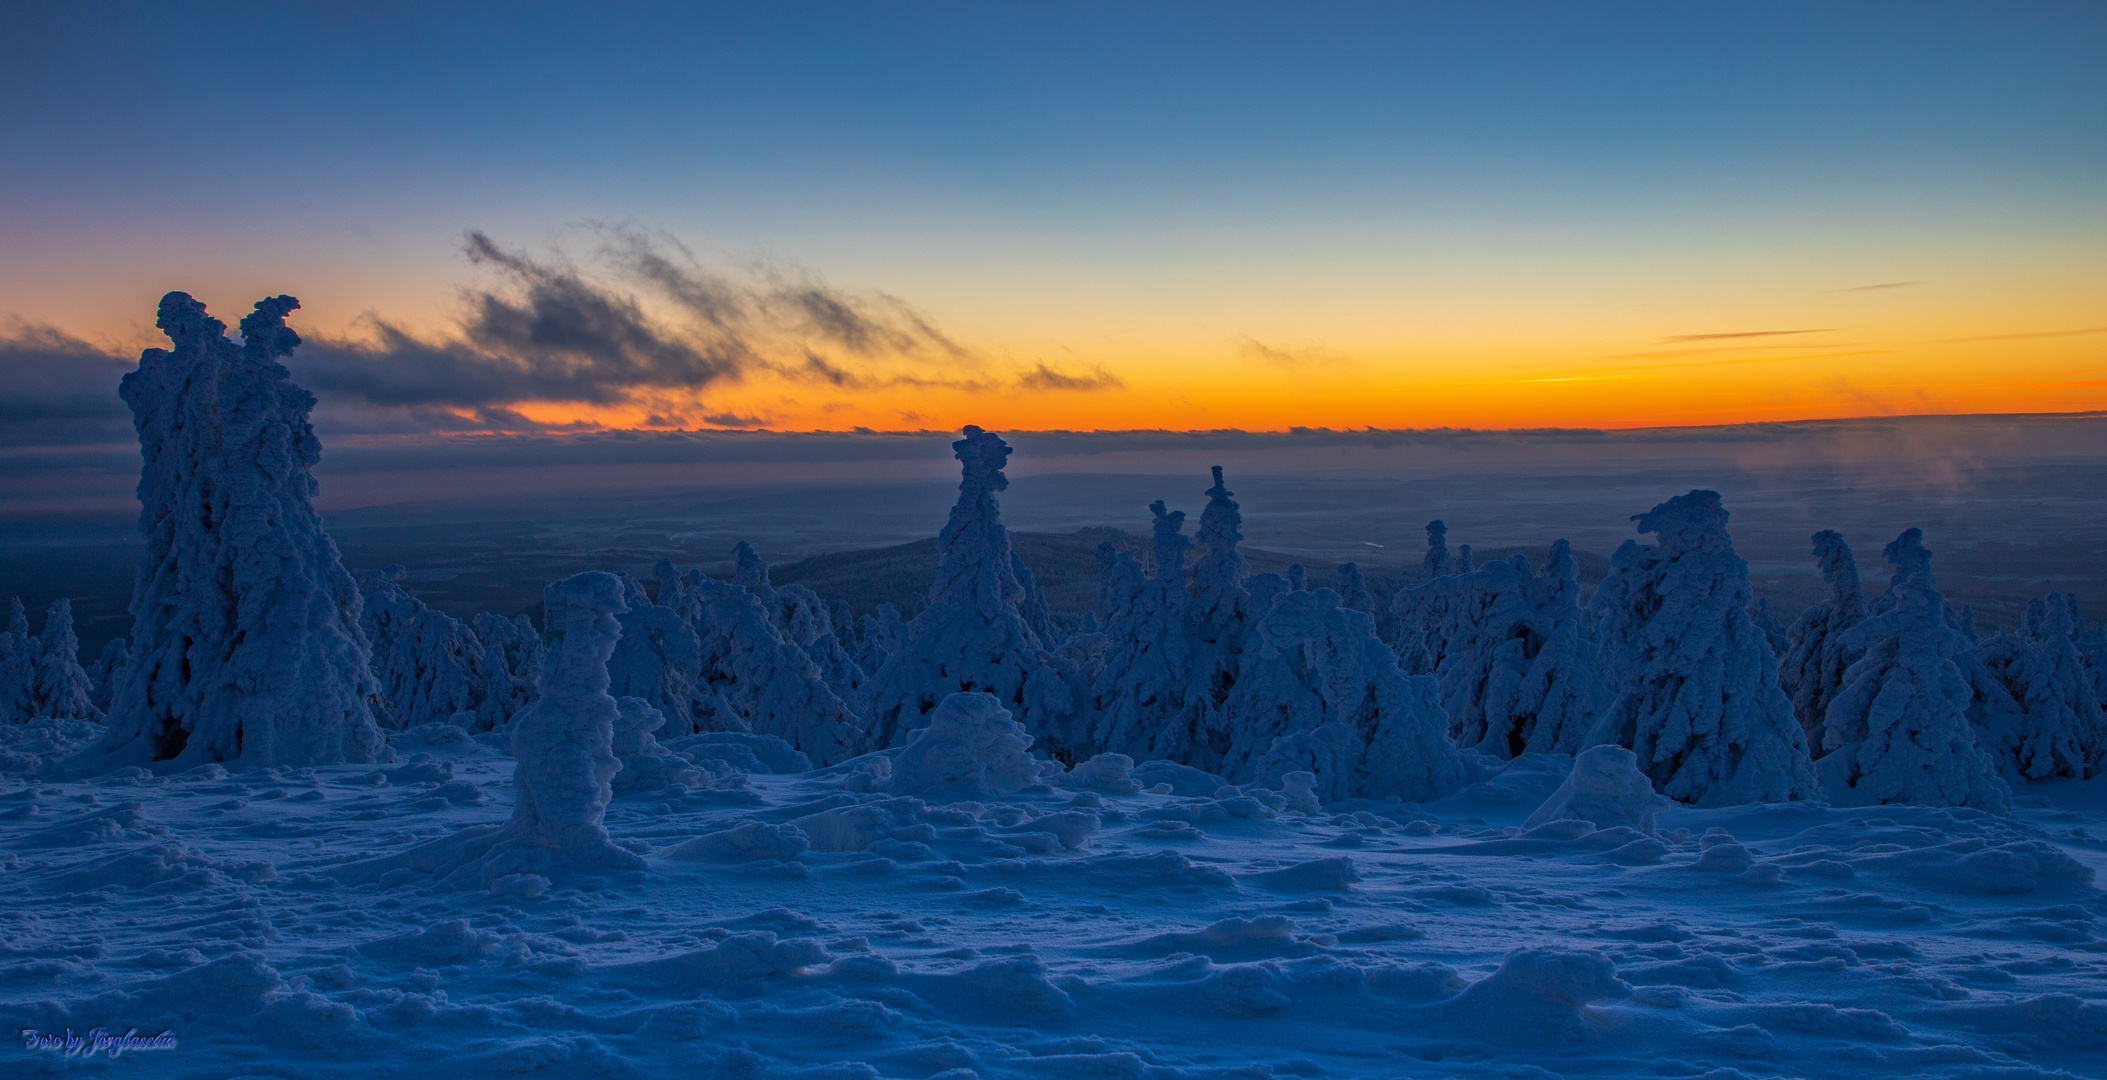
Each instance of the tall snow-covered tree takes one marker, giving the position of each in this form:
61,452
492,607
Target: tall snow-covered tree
1353,589
18,666
429,664
107,669
1898,730
1815,658
1140,696
1696,684
767,685
1908,556
1319,692
803,619
245,638
658,660
1436,561
973,637
60,687
2059,728
512,656
1519,675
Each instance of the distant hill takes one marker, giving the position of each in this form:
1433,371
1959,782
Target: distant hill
1067,569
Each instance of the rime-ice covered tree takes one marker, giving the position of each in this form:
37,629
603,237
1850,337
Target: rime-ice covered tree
658,660
1520,675
1463,559
1696,684
107,669
1908,556
1815,658
2058,728
1320,693
512,655
429,664
973,637
1773,632
879,636
767,685
41,675
1140,696
564,742
18,666
60,688
1353,589
245,638
1436,561
1898,730
802,618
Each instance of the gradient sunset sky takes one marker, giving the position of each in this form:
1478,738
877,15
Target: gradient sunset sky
829,215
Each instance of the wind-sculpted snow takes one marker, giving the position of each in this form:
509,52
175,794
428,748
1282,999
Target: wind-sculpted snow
1048,932
1696,683
245,639
973,637
1898,730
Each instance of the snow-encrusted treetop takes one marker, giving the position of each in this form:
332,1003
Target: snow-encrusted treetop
1812,669
1218,579
1436,560
973,636
1696,683
1143,689
1908,556
1898,731
245,636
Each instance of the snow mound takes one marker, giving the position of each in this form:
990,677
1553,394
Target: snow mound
1183,781
748,841
970,749
1335,874
1605,788
1109,774
1537,995
737,962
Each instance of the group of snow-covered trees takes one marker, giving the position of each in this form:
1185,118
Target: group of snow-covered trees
252,643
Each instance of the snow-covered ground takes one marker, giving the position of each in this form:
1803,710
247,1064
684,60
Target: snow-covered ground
277,922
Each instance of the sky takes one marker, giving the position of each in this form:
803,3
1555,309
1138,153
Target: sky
542,219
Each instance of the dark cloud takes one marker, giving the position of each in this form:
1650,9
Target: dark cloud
1882,285
734,420
1042,377
57,390
1741,334
1285,358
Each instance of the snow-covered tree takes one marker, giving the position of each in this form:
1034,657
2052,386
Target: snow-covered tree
245,638
429,664
878,637
1140,696
1520,675
565,740
767,685
18,666
61,688
1898,731
1773,632
1909,557
1696,684
1815,657
1436,561
2058,728
1353,589
803,619
973,637
1463,560
658,660
512,655
107,669
1320,693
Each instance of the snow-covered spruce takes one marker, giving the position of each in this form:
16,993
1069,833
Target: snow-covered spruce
1898,731
1353,589
245,638
1773,631
428,663
1908,556
646,766
512,655
973,636
107,669
1519,672
1812,670
659,660
803,619
1318,692
2059,728
1436,560
1140,696
1696,684
564,744
970,749
767,685
42,675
